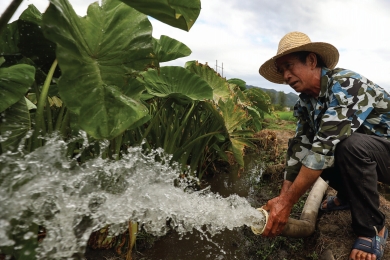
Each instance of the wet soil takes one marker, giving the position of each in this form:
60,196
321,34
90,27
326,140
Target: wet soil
332,239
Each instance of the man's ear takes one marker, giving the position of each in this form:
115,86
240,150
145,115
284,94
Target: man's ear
311,60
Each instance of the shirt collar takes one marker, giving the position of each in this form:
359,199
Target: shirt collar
324,81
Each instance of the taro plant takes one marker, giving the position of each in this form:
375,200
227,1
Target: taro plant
101,73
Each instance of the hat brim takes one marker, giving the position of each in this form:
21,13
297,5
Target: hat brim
328,53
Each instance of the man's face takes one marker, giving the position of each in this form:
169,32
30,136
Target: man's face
300,76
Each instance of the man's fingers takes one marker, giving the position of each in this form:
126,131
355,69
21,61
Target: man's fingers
268,228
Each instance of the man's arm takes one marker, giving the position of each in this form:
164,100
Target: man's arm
280,207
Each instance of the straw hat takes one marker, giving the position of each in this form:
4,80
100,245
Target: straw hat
293,42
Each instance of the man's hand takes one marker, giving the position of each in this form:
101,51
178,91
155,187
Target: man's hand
279,212
280,207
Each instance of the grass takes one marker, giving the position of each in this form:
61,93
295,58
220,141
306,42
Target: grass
280,120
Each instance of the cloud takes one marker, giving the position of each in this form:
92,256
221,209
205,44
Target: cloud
244,34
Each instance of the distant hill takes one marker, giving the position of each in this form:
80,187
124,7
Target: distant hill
291,98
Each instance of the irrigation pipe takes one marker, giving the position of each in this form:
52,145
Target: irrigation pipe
305,226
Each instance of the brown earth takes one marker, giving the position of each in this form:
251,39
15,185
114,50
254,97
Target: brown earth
333,237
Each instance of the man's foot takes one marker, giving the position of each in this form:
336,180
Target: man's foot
367,249
333,203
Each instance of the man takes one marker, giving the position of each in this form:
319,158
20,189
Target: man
342,135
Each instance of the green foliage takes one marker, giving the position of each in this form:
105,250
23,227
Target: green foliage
177,83
239,82
287,115
280,120
219,85
179,123
177,13
14,83
282,98
98,56
17,124
291,98
109,83
168,49
273,97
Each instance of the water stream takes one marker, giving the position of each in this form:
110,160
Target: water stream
70,200
228,244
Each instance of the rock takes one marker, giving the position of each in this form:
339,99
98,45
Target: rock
327,255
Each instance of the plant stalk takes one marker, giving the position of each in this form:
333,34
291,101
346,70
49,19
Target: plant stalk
60,116
39,116
133,227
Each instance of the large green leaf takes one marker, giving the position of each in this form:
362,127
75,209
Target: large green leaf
259,99
167,49
99,56
235,117
32,43
219,85
9,40
238,146
239,82
14,83
181,14
178,83
15,124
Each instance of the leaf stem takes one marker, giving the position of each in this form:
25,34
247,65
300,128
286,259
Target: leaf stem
8,13
39,116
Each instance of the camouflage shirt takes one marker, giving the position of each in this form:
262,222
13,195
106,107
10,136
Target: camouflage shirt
347,102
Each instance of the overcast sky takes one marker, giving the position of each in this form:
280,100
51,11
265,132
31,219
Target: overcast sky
242,34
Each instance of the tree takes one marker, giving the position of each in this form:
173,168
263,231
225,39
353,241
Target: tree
282,98
272,96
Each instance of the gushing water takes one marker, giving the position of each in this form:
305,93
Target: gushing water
70,200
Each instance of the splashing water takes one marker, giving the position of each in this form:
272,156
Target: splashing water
70,200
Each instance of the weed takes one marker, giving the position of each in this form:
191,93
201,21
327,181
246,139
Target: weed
313,256
281,120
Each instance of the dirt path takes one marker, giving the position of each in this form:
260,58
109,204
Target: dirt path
333,237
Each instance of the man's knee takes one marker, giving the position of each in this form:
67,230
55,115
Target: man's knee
350,148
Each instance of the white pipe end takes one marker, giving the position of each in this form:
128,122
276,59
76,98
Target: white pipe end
259,229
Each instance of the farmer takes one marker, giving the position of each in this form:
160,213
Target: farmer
342,135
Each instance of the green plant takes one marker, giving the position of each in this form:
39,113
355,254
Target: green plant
286,115
313,256
101,74
268,248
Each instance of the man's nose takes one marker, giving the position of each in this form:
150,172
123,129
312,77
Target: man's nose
286,75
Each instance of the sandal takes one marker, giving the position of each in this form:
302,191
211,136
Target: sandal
331,205
376,246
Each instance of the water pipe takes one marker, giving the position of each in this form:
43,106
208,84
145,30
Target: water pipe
305,226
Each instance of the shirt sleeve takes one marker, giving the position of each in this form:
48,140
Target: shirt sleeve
350,102
349,105
298,146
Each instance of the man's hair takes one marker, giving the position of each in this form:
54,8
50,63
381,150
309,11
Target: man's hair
302,55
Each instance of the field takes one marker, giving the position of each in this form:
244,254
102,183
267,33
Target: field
280,120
